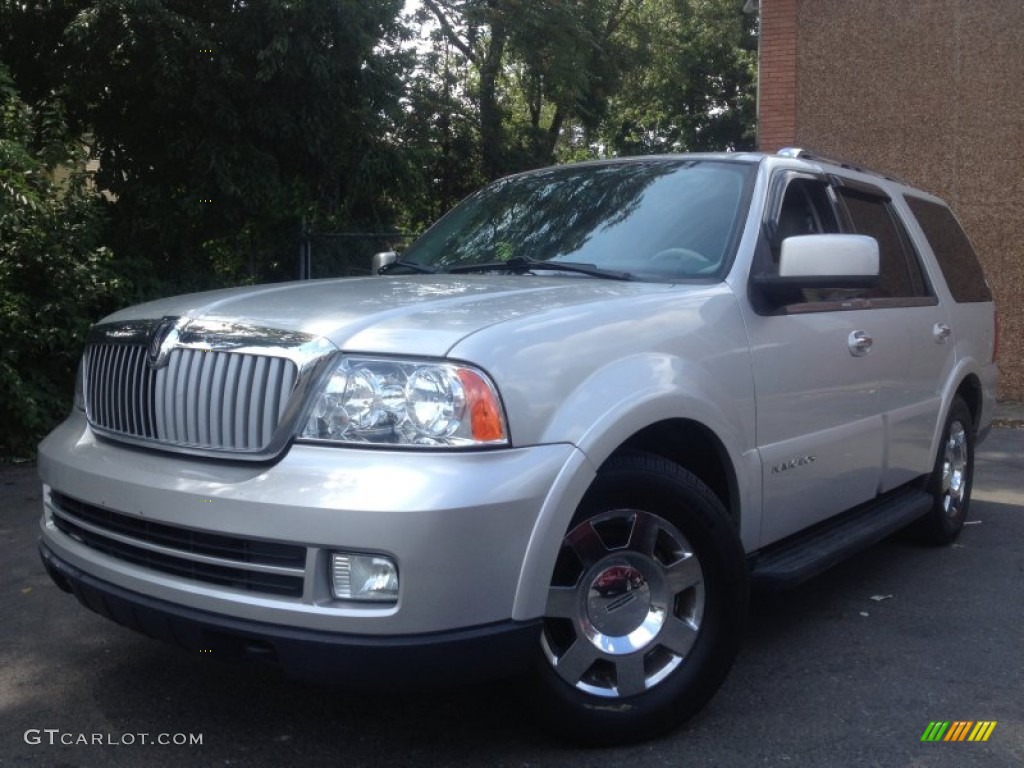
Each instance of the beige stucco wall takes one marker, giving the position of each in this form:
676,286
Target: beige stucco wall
931,91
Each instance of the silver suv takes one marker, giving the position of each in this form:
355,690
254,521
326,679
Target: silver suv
559,437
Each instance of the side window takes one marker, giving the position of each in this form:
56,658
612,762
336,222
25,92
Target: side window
805,210
900,274
952,250
805,207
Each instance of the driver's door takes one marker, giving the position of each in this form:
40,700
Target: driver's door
818,364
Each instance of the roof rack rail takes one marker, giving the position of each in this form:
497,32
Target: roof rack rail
803,154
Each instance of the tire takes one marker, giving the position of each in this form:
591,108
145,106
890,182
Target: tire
646,609
951,479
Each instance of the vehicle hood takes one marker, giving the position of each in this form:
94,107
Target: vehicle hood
423,315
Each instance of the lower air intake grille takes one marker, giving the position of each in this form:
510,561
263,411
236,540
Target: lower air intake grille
249,565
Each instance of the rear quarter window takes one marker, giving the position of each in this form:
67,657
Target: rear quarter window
952,250
899,272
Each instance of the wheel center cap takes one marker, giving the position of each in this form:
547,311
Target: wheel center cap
619,600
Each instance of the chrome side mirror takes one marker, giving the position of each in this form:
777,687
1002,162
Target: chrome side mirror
381,260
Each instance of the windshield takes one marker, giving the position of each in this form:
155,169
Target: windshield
654,219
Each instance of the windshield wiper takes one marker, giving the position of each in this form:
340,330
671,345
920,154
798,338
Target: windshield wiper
409,265
523,264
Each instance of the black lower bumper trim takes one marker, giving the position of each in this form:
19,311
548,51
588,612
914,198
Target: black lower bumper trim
408,661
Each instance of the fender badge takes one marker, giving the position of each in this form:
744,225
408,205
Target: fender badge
785,466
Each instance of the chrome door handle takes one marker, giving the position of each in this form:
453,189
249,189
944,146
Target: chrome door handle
860,343
941,332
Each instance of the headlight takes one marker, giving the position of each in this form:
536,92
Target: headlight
407,403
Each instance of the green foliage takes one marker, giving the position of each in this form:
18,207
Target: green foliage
574,79
55,276
533,67
437,136
692,87
219,125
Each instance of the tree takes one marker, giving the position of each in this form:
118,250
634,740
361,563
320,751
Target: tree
219,125
436,135
55,276
569,79
552,59
692,86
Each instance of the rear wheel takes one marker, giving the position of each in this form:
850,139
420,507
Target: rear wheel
951,479
646,607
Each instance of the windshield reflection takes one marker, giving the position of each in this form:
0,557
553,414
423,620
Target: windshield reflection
665,218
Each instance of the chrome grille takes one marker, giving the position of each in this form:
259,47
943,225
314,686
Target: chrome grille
250,565
206,399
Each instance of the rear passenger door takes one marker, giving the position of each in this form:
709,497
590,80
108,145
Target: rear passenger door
905,308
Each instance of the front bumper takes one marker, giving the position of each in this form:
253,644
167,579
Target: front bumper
467,655
460,526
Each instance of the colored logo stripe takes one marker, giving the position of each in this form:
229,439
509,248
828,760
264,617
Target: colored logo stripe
934,731
982,730
958,730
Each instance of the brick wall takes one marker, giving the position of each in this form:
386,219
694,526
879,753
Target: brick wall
777,73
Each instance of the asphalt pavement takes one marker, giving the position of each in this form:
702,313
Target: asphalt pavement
848,670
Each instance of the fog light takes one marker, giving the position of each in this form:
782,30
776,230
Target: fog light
371,578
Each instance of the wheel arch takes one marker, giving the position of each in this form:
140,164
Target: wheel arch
694,447
687,442
966,384
970,390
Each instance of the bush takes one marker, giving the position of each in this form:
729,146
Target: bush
55,277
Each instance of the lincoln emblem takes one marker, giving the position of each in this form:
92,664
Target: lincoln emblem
163,339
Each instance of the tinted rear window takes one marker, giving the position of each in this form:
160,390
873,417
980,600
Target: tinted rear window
952,250
899,273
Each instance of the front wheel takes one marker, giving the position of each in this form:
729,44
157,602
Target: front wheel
646,606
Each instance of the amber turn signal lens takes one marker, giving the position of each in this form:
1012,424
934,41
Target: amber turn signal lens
482,401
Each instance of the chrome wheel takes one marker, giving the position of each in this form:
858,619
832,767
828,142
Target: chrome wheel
954,470
645,607
950,482
625,606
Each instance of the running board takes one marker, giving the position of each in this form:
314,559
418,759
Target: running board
806,554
